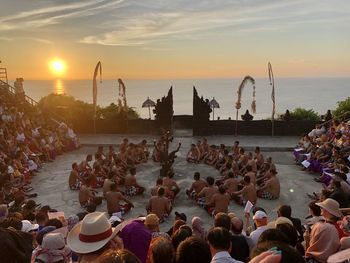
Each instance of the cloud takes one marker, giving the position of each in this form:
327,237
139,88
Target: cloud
163,23
46,16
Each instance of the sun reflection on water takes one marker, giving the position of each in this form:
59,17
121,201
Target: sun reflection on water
59,87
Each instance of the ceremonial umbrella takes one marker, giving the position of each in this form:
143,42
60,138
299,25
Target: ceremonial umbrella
148,104
214,104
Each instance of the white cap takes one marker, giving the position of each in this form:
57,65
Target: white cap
259,215
27,226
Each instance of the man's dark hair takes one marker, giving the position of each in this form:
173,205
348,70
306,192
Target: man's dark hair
161,191
230,175
219,238
193,250
210,180
315,208
273,235
113,187
285,210
11,222
197,176
222,220
222,189
180,235
290,232
54,222
162,250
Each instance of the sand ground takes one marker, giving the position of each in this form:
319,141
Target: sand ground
51,184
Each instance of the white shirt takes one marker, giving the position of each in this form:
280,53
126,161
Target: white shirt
223,257
256,233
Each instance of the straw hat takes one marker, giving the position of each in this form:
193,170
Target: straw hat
54,248
331,206
91,234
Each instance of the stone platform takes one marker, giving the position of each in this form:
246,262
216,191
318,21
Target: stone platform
51,184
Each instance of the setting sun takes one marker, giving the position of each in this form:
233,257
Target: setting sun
57,67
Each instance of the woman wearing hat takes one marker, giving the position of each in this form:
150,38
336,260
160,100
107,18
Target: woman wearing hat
323,240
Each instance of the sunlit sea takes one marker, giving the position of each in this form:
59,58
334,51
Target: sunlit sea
319,94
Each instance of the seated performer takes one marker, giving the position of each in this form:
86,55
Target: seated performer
113,199
196,186
132,188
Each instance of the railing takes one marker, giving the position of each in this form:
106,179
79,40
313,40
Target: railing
340,117
30,100
3,74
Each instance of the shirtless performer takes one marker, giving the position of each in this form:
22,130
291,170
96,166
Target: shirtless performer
87,196
169,182
113,199
75,180
219,202
196,186
251,174
231,183
193,155
159,183
159,205
247,193
132,188
85,167
204,196
212,156
270,189
107,183
259,157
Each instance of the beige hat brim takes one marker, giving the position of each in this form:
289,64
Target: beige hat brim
333,212
80,247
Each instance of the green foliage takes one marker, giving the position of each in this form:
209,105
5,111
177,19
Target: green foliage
343,106
304,114
71,109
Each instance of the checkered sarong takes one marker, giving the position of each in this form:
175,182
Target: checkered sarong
132,191
76,186
265,195
201,201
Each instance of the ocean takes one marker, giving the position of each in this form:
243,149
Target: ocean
319,94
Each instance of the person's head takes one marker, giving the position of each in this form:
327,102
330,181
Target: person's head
91,235
161,191
11,222
330,209
180,216
257,149
16,246
133,170
289,254
290,232
285,210
152,222
89,158
74,166
118,256
248,168
177,224
222,189
246,179
273,234
230,175
161,250
260,218
54,249
236,225
113,187
314,209
219,239
222,220
180,235
210,180
196,176
193,250
54,222
41,218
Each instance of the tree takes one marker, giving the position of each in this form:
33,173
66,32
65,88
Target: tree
342,108
304,114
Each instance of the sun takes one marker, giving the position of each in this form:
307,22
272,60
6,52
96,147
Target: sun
57,66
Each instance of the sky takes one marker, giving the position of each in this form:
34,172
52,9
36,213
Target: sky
154,39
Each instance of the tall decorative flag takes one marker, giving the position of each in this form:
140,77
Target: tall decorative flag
94,89
122,105
272,84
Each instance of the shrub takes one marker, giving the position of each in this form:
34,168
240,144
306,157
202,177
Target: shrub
342,108
304,114
71,109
